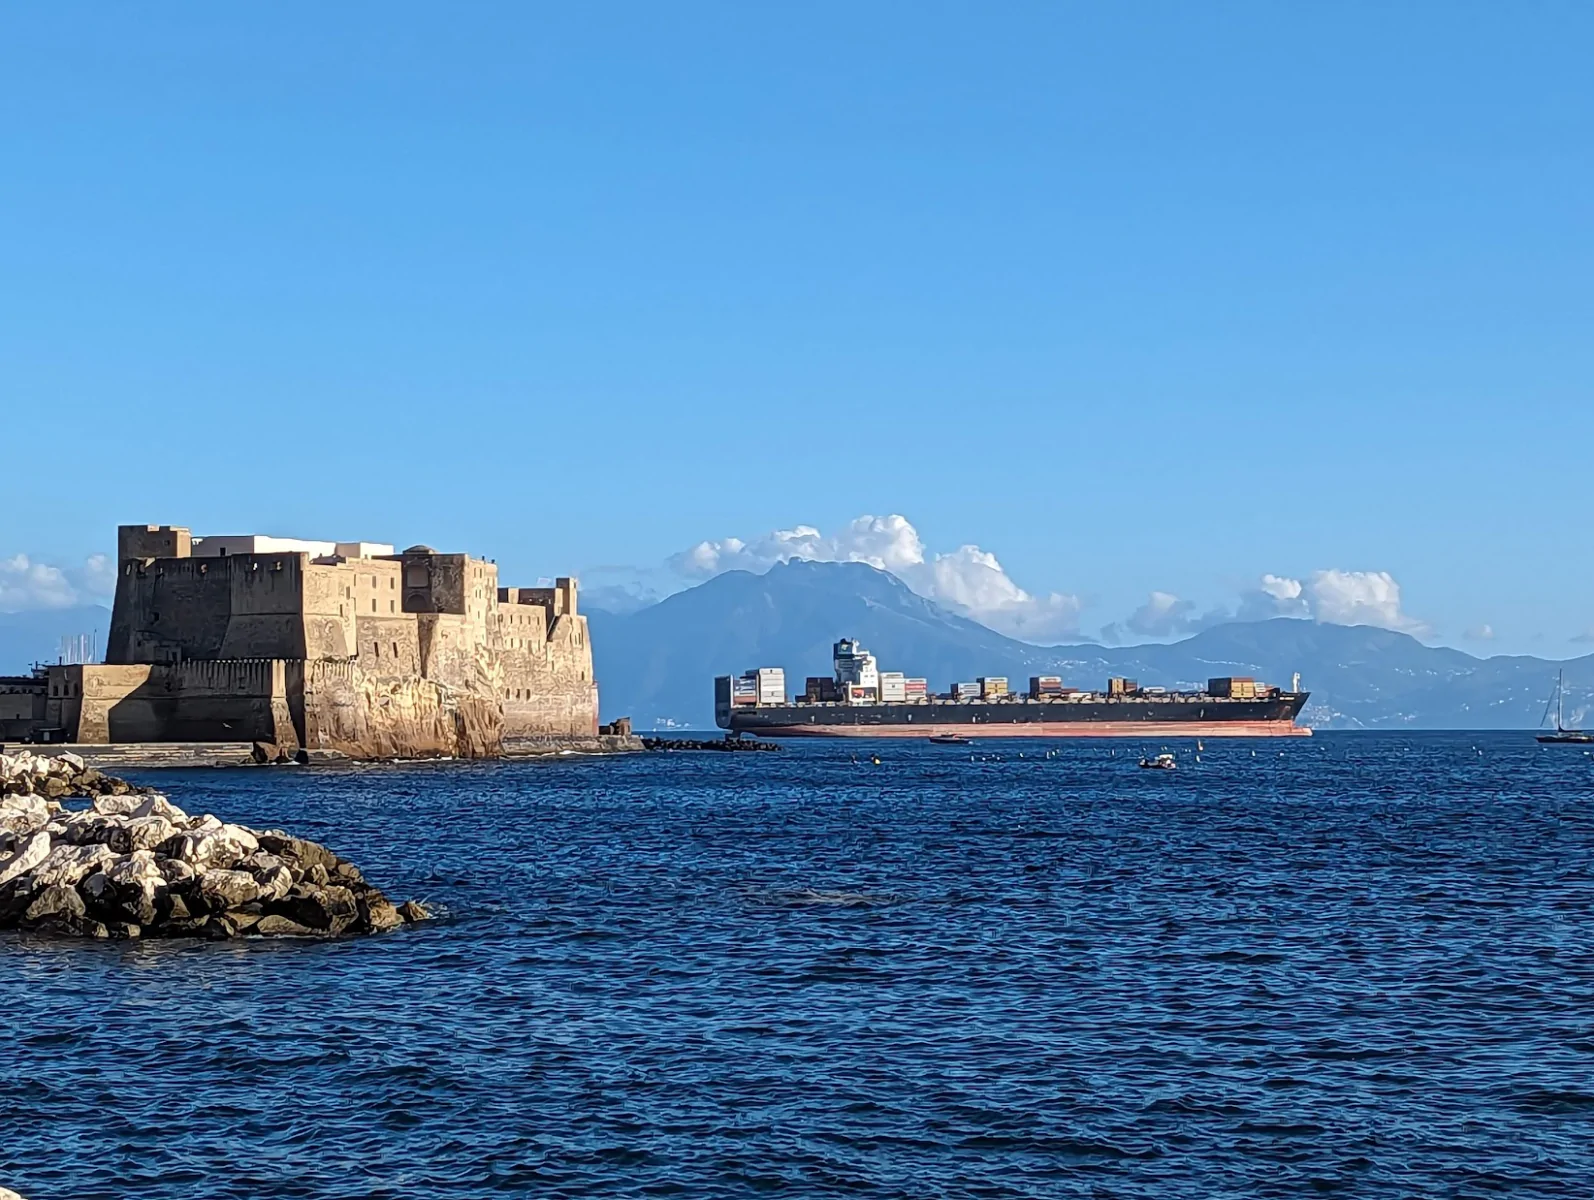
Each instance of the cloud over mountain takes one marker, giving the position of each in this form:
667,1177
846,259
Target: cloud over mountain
1331,597
27,585
968,580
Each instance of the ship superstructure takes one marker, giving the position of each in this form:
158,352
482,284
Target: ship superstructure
860,700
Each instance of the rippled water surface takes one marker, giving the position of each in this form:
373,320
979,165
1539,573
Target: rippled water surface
1360,963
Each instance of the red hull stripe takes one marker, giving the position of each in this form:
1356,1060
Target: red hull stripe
1145,730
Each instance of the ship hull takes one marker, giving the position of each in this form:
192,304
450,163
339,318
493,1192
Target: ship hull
1197,717
1045,729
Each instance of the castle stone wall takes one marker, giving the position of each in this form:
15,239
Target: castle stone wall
328,608
221,701
417,653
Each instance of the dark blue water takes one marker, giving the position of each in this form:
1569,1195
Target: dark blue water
1361,964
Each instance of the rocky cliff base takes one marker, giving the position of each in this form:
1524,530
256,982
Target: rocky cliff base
132,864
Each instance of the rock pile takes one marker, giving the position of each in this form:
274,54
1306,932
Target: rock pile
132,864
726,743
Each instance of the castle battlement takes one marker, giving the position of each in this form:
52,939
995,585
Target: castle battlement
202,613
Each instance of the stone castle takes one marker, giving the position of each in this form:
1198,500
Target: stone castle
343,646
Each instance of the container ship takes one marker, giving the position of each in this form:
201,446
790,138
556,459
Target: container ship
860,700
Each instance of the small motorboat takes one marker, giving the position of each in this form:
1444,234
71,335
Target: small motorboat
1163,762
949,739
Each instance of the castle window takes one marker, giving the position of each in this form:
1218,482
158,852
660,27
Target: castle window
395,649
373,603
376,649
390,607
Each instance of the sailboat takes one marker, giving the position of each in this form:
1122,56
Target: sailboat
1562,733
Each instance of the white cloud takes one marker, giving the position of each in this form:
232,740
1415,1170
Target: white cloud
1163,615
98,576
1480,633
1274,596
1360,598
972,581
26,585
1329,597
889,543
968,580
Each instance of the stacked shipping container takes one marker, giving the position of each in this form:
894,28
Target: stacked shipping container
771,685
1236,687
821,689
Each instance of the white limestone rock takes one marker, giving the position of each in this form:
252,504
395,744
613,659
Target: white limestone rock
275,883
205,848
136,865
29,805
69,864
56,900
225,889
242,836
117,806
175,871
23,814
89,827
140,833
140,867
28,855
158,806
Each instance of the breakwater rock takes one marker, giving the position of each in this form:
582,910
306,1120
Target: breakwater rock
726,743
132,864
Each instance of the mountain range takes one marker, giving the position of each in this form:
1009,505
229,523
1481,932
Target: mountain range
657,664
35,637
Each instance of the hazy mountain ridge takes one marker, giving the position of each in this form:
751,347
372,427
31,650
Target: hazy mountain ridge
658,664
35,636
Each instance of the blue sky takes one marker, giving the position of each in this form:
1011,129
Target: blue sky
1136,298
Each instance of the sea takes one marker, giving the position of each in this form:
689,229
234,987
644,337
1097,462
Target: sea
1357,964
